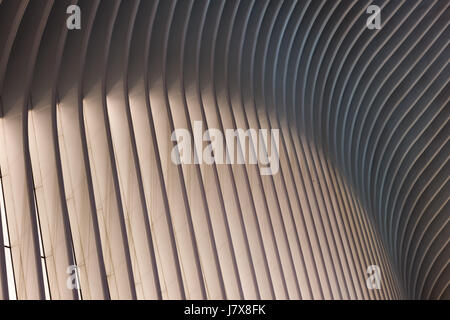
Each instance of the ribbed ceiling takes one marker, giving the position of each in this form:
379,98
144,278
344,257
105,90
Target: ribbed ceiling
85,149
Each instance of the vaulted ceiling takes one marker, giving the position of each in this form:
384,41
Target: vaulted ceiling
85,149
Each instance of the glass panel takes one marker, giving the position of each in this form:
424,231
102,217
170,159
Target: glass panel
3,217
10,275
41,252
8,255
